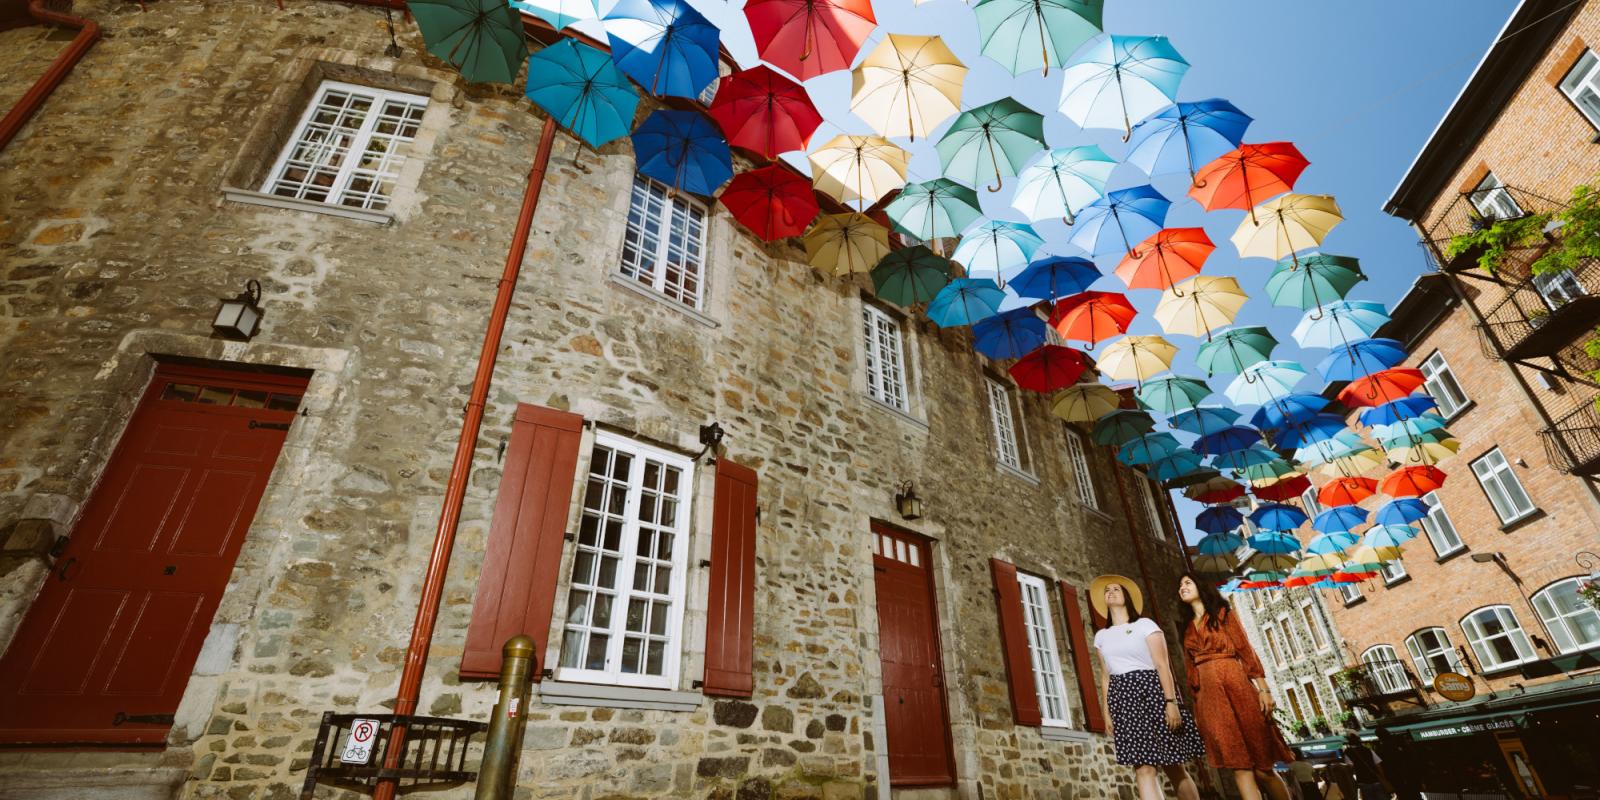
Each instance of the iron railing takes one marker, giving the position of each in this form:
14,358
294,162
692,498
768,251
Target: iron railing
1478,209
1573,441
1373,684
438,753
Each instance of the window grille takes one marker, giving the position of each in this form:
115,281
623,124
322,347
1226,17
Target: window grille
349,147
664,246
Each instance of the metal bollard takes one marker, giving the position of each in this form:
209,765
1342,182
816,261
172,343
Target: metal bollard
497,773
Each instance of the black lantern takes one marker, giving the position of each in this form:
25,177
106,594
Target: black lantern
240,317
907,502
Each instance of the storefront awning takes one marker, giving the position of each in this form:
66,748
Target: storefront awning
1328,745
1464,725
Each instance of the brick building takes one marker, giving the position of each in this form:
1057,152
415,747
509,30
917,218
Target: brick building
267,505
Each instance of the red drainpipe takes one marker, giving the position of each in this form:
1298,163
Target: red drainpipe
88,34
455,491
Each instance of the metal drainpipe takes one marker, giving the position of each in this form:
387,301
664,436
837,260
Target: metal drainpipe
432,591
1133,535
25,108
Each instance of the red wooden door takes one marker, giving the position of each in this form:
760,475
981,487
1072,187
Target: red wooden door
916,715
105,651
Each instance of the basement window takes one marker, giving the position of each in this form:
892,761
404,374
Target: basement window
348,148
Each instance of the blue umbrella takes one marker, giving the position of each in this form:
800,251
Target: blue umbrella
1010,334
559,13
1202,420
1388,536
583,91
1051,277
1277,517
1148,449
1114,80
1299,434
1248,457
664,45
1219,519
1340,518
965,301
1228,440
1222,543
684,150
1274,543
1119,220
1178,465
1403,511
1396,410
1340,323
996,249
1325,544
1415,426
1185,136
1338,445
1287,410
1355,360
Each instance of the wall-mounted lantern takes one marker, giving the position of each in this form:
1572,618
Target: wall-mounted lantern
907,502
240,317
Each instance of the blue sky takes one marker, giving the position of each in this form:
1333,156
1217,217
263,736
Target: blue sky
1358,86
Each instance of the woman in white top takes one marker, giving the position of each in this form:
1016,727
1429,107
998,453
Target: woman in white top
1149,723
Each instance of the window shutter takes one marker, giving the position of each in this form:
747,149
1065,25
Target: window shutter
1014,640
521,564
730,613
1072,617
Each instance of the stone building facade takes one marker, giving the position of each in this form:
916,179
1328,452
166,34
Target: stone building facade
144,191
1300,649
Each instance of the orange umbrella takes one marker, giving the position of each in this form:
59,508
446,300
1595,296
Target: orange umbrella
1246,176
1166,257
1092,317
1411,481
1381,387
1346,491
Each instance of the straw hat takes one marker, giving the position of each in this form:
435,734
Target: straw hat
1130,590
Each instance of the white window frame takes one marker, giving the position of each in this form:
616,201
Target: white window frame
1392,571
1441,384
1559,288
1286,624
1512,632
1055,709
623,589
1269,633
1492,200
1560,622
1441,532
1581,85
339,191
1082,477
1319,634
1309,502
1152,507
1003,425
884,338
1349,592
1386,668
1422,656
1493,469
680,224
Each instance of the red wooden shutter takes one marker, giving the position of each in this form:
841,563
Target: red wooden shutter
1014,640
1072,617
730,612
521,564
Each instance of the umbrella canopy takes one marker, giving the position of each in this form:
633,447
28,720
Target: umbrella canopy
1009,334
480,38
1388,537
1202,420
1216,489
683,150
1051,277
1230,351
1085,402
1286,225
913,275
1048,368
997,249
1403,511
1148,449
1427,452
583,91
1246,176
1346,491
1166,257
1340,323
807,38
1363,461
1287,410
1300,434
1172,394
1275,544
1218,565
1117,79
1381,387
1218,544
664,45
1324,450
1332,544
1355,360
1363,563
764,112
1091,316
859,169
1261,382
1309,282
1025,35
1182,464
993,140
774,202
907,85
965,301
1114,222
1412,481
1412,426
1121,426
1340,518
1218,519
1277,517
1284,489
934,209
1182,136
1256,462
1057,183
843,243
1396,410
1136,358
1200,305
1232,439
559,13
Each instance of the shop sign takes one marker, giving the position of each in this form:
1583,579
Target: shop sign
1454,686
1464,729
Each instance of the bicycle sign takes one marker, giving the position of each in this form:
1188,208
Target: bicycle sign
358,746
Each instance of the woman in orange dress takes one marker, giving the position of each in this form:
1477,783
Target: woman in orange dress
1234,716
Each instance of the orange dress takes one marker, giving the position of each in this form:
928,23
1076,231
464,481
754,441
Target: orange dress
1221,663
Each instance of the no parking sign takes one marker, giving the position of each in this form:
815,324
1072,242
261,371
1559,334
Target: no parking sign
358,746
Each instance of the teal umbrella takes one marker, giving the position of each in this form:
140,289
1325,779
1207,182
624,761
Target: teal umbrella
910,275
1172,394
1230,351
583,90
996,138
934,209
1310,281
1148,449
481,38
1025,35
1121,426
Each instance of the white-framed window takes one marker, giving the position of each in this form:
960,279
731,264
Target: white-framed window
1083,479
1440,530
1432,653
1491,198
1349,592
1319,635
1273,645
1392,570
1558,288
886,359
1500,483
625,600
1291,636
1571,620
1003,424
1582,86
348,147
1152,506
665,244
1497,638
1046,659
1383,664
1441,383
1309,502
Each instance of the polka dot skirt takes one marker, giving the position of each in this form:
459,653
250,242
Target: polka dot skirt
1139,725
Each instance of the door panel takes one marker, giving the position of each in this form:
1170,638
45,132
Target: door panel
916,715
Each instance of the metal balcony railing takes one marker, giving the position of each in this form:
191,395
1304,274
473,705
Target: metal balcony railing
1478,209
1573,442
1541,314
1374,684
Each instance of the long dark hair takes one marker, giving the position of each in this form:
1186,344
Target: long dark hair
1127,603
1217,607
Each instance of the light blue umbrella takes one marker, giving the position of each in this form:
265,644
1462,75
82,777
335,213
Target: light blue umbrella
1256,455
559,13
1355,360
1327,544
1415,426
934,209
1261,382
1058,183
684,150
1274,543
1117,79
1320,452
1025,35
1202,420
1382,536
1402,511
1050,277
1341,323
965,301
1185,136
1119,220
1178,465
1340,519
664,45
583,91
1172,394
1148,449
996,249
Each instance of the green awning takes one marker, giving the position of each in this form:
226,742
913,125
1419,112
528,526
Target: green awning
1327,744
1464,725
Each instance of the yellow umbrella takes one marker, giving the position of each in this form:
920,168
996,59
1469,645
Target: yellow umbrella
1320,563
1285,225
1200,305
1357,464
844,243
1136,357
1364,556
863,168
1261,483
1220,563
907,85
1426,453
1085,402
1271,562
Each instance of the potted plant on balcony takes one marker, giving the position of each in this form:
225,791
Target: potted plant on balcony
1347,719
1320,726
1537,317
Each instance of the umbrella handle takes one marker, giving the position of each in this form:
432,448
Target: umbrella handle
996,187
1317,315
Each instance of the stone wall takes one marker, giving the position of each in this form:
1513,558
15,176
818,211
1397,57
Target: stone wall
116,241
1309,656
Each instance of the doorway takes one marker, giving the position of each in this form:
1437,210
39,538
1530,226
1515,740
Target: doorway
1527,781
916,713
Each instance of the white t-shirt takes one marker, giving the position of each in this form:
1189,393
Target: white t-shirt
1123,647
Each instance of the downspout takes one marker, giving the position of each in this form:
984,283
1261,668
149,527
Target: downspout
28,105
1133,536
444,537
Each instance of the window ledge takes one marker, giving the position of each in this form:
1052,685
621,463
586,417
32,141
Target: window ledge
1017,473
1537,513
1459,551
1388,584
1095,512
901,414
1055,733
1465,407
559,693
1359,599
248,197
644,291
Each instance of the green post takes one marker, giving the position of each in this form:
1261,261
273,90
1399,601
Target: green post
497,773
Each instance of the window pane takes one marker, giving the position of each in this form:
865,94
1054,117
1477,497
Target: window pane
1579,84
1441,531
1572,621
884,357
1046,662
1083,478
349,147
1000,418
663,246
1441,383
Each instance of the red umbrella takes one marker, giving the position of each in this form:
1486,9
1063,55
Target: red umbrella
1352,577
764,112
1092,316
1246,176
1381,387
1286,489
807,38
1048,368
1166,257
774,201
1411,481
1346,491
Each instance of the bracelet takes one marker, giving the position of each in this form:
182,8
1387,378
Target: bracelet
1173,700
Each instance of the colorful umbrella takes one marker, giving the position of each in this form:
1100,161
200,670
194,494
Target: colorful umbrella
1355,360
1214,490
1117,79
845,243
1283,490
907,85
1411,426
1381,387
1346,491
1055,276
1092,317
807,38
1085,402
1261,382
1396,410
1275,544
1306,283
965,301
1230,351
1166,257
1339,323
1048,368
1009,334
663,45
1182,136
1340,518
1388,537
1427,453
1058,181
1136,358
764,112
1363,461
1403,511
1121,426
913,275
1219,519
1412,481
1332,544
1363,563
1172,394
997,249
1218,564
559,13
583,91
1299,434
774,202
1286,225
1232,439
1219,544
994,139
1120,218
1256,462
1202,420
1181,465
858,168
1148,449
1323,451
934,209
1200,305
480,38
1025,35
1246,176
683,150
1277,517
